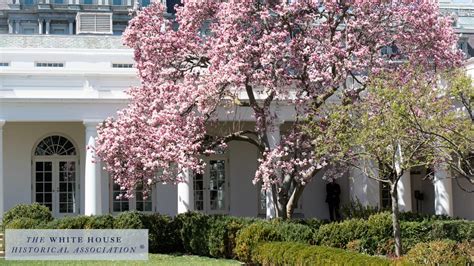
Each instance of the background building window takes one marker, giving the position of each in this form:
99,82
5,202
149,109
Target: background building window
142,204
117,2
40,64
138,203
145,3
122,65
119,204
385,198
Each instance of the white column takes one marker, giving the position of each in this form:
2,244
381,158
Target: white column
443,191
274,139
10,26
47,25
40,26
2,195
71,26
92,186
186,193
17,27
362,188
404,192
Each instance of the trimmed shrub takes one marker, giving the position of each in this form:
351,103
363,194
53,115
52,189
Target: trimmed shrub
293,232
458,230
250,236
222,234
313,223
356,210
70,222
289,253
419,217
275,230
194,229
33,211
440,252
339,234
379,234
24,223
100,222
163,233
128,220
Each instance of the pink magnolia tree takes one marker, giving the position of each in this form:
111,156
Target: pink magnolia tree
256,55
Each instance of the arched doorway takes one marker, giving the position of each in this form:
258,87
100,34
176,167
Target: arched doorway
55,175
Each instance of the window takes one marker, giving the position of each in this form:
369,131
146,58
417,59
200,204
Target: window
97,23
118,32
58,31
143,204
170,5
122,65
28,2
4,64
211,187
59,1
54,182
29,31
39,64
87,2
145,3
117,2
385,198
119,204
138,203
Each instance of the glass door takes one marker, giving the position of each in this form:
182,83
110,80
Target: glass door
55,185
66,188
43,183
211,188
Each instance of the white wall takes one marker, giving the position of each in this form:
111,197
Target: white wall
19,141
426,187
463,202
363,189
166,199
243,164
314,196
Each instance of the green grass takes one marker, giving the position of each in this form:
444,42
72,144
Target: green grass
153,259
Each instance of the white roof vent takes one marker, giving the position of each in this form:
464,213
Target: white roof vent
94,23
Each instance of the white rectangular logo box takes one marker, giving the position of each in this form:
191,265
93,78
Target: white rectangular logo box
76,244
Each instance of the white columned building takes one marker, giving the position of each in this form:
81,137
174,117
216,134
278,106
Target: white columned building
92,187
2,123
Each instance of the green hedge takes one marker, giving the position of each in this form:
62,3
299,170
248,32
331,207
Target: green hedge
374,235
441,252
35,211
223,236
291,253
275,230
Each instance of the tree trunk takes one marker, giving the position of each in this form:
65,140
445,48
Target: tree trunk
293,201
395,220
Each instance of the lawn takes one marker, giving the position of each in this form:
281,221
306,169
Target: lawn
153,259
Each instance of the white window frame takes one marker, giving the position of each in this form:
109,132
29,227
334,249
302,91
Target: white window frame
132,203
206,180
78,23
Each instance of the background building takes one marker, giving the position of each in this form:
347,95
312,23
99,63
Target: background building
63,70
